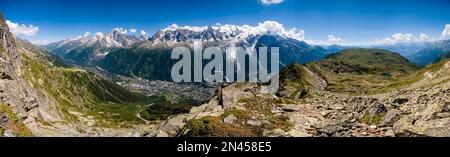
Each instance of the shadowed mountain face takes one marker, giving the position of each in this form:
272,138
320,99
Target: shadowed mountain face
444,56
152,64
432,54
291,50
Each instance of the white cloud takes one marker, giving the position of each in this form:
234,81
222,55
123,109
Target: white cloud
143,33
270,2
404,38
99,34
192,28
446,32
266,27
86,34
40,42
22,29
333,39
121,30
275,28
133,30
424,37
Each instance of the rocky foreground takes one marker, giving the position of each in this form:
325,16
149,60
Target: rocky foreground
421,109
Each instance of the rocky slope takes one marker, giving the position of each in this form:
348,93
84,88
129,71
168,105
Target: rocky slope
75,102
362,70
416,105
42,95
17,97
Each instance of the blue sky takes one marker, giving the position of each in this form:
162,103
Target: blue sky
351,21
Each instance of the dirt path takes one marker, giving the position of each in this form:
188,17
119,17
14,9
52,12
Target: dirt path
138,114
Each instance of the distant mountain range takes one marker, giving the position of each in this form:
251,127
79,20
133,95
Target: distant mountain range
86,48
149,57
432,54
133,56
420,53
405,49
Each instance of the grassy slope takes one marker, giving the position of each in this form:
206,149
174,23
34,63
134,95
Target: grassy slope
295,75
15,124
418,76
362,71
78,90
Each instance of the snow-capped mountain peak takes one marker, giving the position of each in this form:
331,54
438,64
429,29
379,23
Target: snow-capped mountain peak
118,37
175,33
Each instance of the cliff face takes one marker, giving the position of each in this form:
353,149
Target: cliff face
15,92
9,59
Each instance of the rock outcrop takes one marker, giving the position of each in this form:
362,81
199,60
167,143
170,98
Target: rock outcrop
15,92
175,126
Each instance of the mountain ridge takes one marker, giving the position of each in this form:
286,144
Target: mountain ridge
432,54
